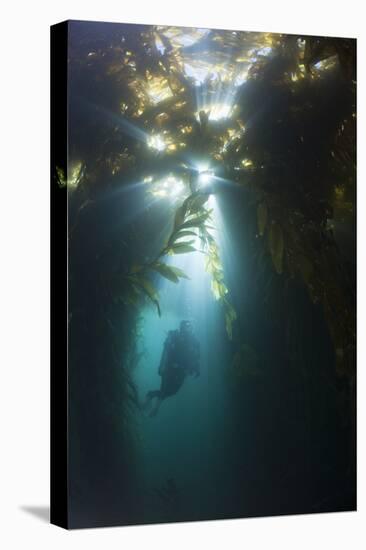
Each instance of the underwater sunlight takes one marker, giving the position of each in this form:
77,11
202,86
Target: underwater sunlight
212,273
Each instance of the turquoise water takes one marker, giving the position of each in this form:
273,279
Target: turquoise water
185,442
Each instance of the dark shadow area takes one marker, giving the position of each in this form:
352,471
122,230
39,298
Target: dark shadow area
40,512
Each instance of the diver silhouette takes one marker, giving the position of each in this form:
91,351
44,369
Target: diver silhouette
180,357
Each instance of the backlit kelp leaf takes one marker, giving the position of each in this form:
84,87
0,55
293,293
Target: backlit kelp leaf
218,288
276,246
61,178
166,271
179,272
157,305
213,262
180,215
198,201
147,288
206,240
262,218
146,285
208,266
215,289
179,244
181,248
230,317
182,234
197,221
74,175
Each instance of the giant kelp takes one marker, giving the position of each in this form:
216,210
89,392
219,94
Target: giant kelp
150,77
272,114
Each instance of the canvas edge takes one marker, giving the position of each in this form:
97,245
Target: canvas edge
59,289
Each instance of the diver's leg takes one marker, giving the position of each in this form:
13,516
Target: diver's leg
168,388
171,384
160,394
155,409
149,398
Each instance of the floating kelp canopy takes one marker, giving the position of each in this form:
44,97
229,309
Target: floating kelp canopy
273,113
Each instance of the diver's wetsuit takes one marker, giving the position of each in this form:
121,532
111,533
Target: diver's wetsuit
180,357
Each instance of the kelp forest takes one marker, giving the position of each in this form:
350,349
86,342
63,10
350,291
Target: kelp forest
211,184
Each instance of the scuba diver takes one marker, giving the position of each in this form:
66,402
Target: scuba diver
180,357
